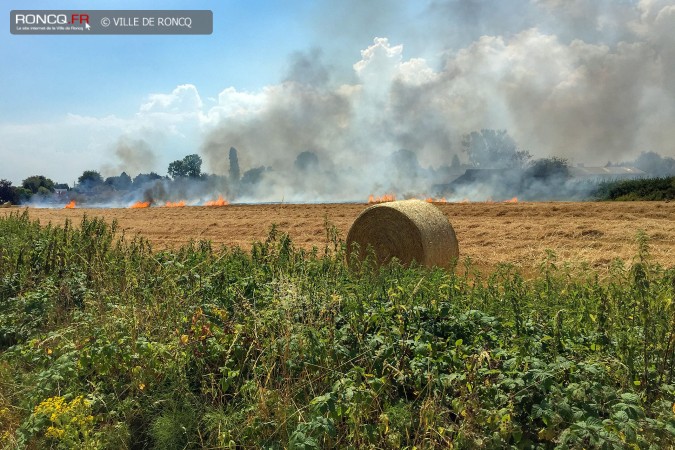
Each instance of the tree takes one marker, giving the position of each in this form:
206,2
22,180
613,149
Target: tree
188,167
89,179
120,183
43,191
8,192
493,149
35,182
23,194
654,164
235,173
306,161
143,178
253,176
455,162
549,168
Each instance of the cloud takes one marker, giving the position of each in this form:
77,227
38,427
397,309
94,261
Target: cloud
184,99
165,127
590,80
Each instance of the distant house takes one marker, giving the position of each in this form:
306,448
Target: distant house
58,191
605,173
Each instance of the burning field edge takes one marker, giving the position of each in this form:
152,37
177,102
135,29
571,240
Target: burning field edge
490,234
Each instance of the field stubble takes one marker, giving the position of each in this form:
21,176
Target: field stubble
489,233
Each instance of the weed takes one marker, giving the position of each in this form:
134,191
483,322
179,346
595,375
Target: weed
107,343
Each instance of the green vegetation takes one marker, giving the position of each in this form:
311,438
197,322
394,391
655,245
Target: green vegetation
105,343
188,167
640,189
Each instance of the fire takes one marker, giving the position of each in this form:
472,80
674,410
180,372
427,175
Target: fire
70,205
175,204
220,202
436,200
385,198
513,200
140,205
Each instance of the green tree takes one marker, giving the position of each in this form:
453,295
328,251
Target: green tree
23,194
35,182
493,149
188,167
235,173
121,182
89,179
655,164
8,192
43,191
143,178
548,168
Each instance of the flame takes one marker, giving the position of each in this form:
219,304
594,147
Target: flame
435,200
140,205
175,204
70,205
513,200
220,202
385,198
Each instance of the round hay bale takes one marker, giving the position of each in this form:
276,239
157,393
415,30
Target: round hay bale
409,230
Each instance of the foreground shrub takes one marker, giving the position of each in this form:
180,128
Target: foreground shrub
107,344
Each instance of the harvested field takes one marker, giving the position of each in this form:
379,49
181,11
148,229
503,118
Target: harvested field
488,233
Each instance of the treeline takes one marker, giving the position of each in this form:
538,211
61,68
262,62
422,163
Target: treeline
185,179
647,189
489,164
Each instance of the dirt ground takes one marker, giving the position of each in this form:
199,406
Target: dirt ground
488,233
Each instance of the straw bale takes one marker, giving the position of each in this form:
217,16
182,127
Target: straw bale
409,230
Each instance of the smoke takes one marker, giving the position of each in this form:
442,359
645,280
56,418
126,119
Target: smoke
585,80
133,156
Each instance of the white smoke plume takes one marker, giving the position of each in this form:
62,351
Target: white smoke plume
586,80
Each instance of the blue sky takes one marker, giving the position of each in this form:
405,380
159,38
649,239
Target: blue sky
347,78
47,79
50,75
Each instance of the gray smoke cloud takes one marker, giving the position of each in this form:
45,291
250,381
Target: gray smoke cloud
586,80
133,156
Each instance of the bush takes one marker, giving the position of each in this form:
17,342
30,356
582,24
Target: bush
634,190
279,348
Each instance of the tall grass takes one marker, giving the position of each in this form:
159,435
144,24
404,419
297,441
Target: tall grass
105,343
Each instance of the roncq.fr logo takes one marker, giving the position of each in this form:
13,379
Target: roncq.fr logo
51,19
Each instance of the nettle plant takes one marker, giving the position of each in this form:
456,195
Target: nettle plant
106,343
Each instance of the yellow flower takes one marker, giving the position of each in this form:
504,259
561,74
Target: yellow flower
141,386
184,339
54,432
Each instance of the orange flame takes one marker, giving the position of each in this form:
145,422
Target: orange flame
175,204
385,198
220,202
70,205
435,200
140,205
513,200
